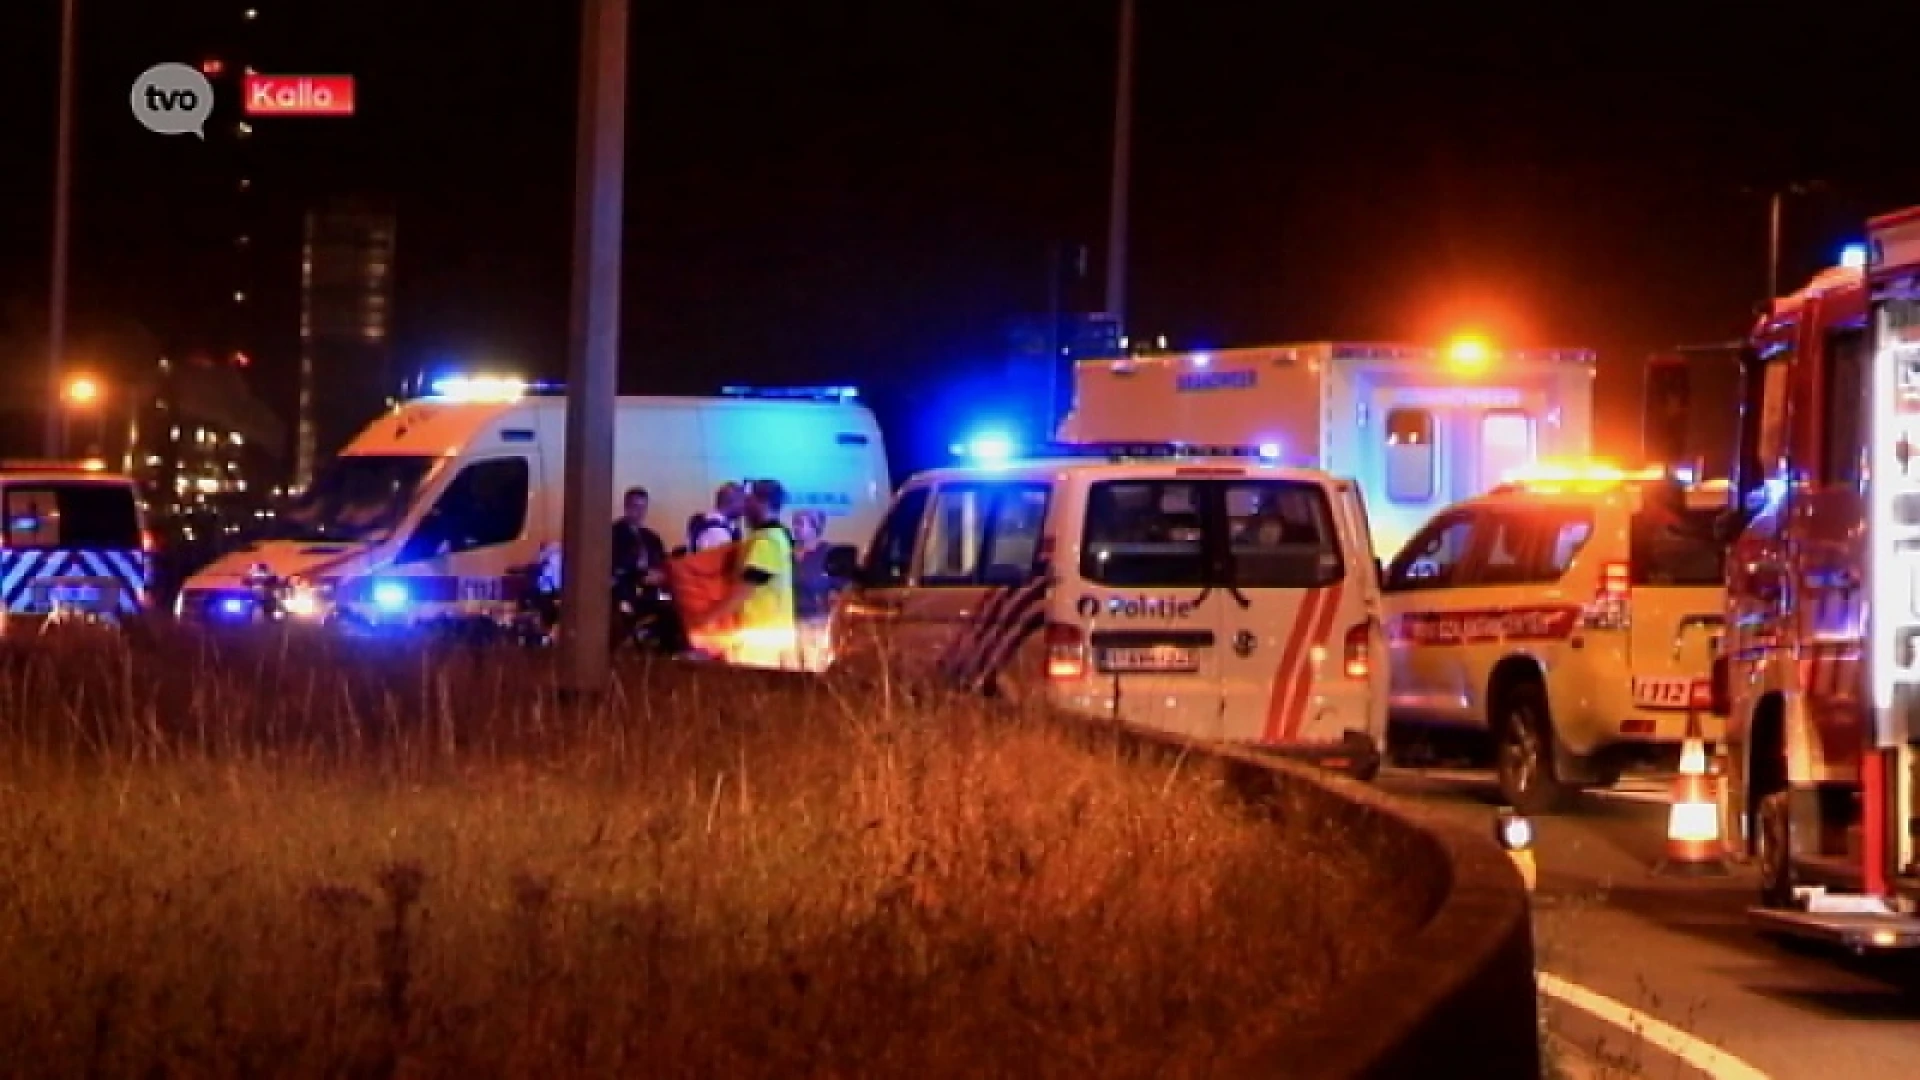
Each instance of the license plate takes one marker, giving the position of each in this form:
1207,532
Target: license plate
1149,658
74,596
1661,693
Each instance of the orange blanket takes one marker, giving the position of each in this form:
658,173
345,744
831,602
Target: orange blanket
699,582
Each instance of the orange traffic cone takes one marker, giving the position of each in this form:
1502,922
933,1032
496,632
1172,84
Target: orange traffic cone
1694,845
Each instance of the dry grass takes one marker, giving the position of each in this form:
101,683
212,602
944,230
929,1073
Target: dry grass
311,859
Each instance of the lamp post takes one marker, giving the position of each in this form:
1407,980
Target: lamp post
62,185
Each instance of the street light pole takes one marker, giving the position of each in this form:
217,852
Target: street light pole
62,185
586,599
1773,244
1122,156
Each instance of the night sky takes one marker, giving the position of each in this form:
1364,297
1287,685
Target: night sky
859,191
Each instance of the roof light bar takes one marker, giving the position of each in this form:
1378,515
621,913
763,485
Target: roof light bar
793,393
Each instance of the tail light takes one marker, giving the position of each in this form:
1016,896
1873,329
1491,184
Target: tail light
1066,652
1358,651
1610,606
1701,696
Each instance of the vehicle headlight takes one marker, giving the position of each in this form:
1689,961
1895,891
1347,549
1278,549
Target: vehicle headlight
302,598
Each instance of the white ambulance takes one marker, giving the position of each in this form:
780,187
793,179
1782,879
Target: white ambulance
424,516
1199,591
1419,428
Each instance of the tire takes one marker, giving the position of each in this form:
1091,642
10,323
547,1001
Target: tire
1523,761
1773,841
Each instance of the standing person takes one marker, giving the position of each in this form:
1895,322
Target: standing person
640,576
760,602
813,587
719,526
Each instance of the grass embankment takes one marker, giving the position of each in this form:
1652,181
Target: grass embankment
309,859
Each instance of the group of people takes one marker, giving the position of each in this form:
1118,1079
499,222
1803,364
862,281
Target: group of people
773,581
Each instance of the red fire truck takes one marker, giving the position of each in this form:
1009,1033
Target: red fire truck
1818,672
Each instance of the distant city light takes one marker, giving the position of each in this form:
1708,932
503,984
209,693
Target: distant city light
82,390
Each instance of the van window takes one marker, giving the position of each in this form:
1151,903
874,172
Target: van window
1844,407
1570,535
1143,533
1433,558
956,536
1409,456
889,561
1283,535
75,516
1506,444
484,505
1013,536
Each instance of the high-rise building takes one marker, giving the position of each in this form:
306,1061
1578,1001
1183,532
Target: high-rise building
346,292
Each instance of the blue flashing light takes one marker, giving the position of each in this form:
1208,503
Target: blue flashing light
390,596
1270,451
986,448
794,393
1684,474
233,605
1853,256
1201,360
479,388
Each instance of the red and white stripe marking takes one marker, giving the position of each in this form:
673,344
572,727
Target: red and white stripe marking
1292,680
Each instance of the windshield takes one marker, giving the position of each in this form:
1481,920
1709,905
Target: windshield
358,497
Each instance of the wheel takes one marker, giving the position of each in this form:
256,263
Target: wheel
1775,856
1524,754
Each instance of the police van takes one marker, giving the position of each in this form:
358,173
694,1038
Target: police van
1566,620
1200,591
76,545
431,512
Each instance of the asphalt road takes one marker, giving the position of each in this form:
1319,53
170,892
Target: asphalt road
1683,952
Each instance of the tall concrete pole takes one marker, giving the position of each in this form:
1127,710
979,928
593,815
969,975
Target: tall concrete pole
586,541
1122,158
62,197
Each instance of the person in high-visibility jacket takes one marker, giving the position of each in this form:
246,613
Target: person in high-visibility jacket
759,605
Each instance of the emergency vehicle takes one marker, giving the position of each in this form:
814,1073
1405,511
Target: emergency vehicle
428,513
1566,619
1419,428
76,544
1819,674
1195,590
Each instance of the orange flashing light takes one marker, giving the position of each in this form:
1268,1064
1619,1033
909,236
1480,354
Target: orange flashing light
1469,354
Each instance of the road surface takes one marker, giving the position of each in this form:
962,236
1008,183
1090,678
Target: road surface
1681,951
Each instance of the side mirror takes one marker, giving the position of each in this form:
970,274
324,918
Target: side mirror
843,562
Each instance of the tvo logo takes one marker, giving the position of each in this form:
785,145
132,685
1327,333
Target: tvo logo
1134,607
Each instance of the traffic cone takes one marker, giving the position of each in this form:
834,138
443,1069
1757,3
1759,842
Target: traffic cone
1694,844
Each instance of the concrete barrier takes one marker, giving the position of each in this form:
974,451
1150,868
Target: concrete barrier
1458,997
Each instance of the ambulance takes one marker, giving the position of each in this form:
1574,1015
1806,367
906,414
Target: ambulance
1205,592
1418,428
427,514
73,543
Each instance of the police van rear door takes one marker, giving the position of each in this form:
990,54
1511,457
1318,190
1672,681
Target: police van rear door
1296,589
1141,608
71,543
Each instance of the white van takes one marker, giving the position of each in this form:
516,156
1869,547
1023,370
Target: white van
424,516
1192,590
